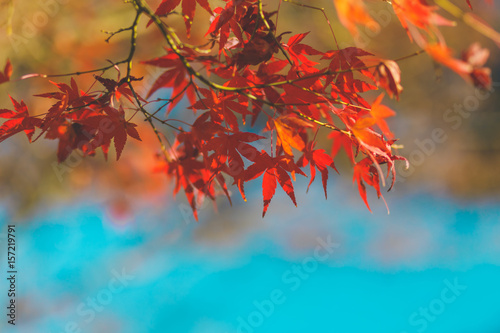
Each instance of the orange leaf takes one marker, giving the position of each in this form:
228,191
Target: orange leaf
442,54
288,137
353,12
379,112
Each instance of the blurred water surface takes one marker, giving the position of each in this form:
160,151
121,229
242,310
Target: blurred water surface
431,265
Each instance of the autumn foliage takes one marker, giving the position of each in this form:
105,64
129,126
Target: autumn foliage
248,82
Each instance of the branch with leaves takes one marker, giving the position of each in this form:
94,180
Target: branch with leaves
245,80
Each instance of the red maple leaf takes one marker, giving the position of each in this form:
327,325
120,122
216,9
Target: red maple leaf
299,52
317,159
117,89
7,72
188,9
342,140
20,121
366,172
176,77
111,126
344,84
229,148
275,171
226,19
70,94
71,104
193,177
71,136
222,107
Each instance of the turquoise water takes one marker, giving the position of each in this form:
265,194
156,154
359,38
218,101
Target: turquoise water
430,266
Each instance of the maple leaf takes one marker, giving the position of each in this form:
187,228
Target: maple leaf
365,172
342,140
7,72
317,159
226,21
203,130
176,77
70,94
345,84
368,171
469,67
229,148
299,52
347,58
221,107
196,176
71,135
191,175
188,10
370,141
117,88
255,38
185,173
304,93
268,71
110,126
353,12
374,145
388,76
443,54
288,135
477,56
420,14
275,171
71,104
19,121
417,14
379,112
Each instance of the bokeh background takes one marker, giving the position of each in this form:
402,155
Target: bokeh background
105,248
